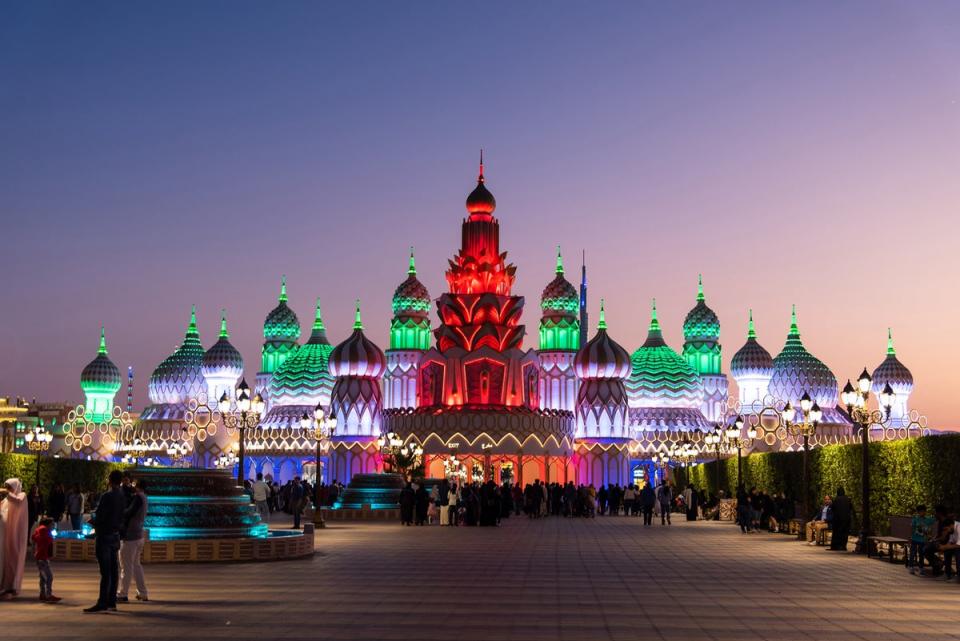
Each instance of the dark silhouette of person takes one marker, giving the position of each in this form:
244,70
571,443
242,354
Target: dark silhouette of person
842,516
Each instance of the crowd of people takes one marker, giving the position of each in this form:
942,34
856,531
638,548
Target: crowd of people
932,536
485,504
292,498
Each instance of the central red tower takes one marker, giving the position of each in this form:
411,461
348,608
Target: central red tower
478,359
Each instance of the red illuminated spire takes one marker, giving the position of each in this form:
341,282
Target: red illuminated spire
480,202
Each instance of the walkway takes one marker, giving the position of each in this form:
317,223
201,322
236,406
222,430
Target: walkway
607,578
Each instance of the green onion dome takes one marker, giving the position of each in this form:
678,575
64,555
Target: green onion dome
751,359
357,356
660,377
180,376
411,298
602,357
101,375
701,323
892,372
796,371
559,297
304,378
282,323
223,360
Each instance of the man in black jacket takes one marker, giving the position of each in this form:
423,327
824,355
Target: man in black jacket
106,522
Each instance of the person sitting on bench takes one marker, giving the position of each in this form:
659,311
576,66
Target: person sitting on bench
820,522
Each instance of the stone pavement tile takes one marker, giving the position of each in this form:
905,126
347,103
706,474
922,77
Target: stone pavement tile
606,578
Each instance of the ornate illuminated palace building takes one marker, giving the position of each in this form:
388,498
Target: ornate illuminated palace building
573,409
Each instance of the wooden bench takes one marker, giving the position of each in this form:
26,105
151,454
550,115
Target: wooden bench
898,541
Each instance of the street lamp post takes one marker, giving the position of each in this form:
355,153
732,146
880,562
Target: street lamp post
324,427
856,401
810,415
246,414
38,440
716,439
735,439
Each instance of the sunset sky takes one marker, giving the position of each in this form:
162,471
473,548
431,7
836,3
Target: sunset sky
155,155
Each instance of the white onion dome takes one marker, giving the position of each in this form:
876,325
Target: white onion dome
304,378
892,372
701,323
660,377
281,323
411,298
357,356
101,375
796,371
602,357
223,359
751,359
180,376
560,297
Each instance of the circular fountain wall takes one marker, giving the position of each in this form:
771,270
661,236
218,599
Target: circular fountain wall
198,515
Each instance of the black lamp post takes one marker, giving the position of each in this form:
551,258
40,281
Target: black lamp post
810,415
856,401
244,413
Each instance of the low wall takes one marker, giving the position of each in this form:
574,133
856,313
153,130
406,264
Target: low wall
274,548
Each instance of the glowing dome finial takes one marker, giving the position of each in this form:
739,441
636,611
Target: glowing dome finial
603,317
357,322
192,329
700,295
412,269
223,324
480,176
890,350
103,341
794,330
283,289
751,331
654,323
559,261
317,320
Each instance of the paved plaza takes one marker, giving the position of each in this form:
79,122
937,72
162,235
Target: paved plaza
607,578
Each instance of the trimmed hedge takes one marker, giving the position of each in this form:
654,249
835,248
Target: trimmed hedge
902,474
89,475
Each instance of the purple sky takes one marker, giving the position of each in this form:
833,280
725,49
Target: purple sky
154,155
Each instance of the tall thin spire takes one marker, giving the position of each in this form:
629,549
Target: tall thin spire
700,296
603,317
559,261
654,322
318,321
357,323
751,331
890,350
480,178
584,324
130,388
283,289
412,268
103,341
223,324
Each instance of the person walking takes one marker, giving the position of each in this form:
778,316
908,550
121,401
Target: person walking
665,499
14,529
296,501
261,494
107,521
407,500
42,553
131,547
648,497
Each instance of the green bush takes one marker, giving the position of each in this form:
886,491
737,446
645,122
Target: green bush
902,474
89,475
